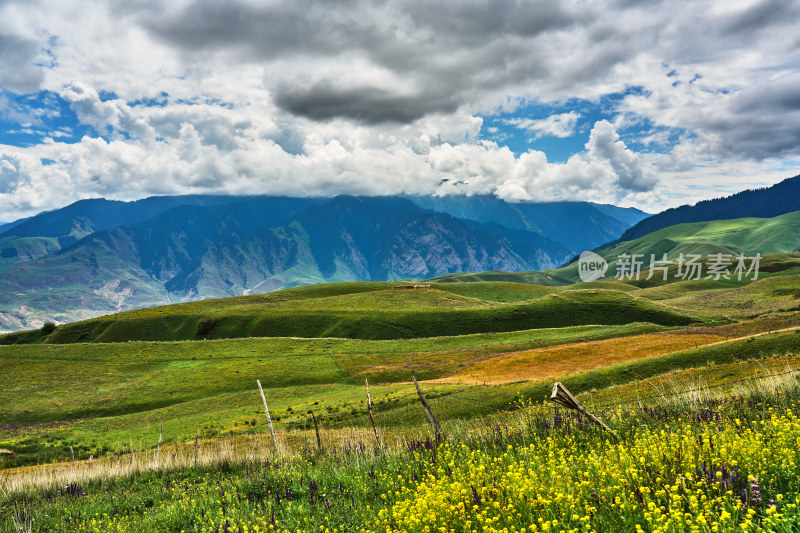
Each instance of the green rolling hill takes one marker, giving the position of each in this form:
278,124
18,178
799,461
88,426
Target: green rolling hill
366,310
781,198
748,236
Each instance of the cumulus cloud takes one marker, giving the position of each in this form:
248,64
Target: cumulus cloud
112,116
204,148
632,173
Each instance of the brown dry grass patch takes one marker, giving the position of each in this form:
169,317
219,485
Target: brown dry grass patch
558,361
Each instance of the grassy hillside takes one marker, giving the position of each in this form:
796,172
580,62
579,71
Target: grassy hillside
367,311
768,295
738,236
112,391
668,471
781,198
748,236
91,396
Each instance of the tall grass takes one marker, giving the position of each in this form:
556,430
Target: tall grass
522,460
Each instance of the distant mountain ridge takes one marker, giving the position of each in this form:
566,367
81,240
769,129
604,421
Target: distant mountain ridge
99,256
767,202
578,225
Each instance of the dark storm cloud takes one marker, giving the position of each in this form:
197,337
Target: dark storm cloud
368,104
781,95
443,54
264,32
764,120
475,21
17,70
330,28
762,15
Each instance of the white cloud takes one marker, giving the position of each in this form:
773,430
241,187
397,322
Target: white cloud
631,171
196,149
560,125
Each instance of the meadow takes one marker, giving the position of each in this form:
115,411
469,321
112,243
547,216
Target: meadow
669,366
708,466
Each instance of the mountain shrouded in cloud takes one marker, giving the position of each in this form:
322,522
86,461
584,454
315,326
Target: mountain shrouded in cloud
638,104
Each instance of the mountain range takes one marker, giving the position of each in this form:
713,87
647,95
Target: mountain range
100,256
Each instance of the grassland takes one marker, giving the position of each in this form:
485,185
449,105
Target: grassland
92,396
710,466
78,393
481,349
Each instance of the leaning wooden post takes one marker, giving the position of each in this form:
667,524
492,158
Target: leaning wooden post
435,423
563,397
158,449
269,418
371,418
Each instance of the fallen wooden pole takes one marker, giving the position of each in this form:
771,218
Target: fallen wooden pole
437,429
563,397
269,418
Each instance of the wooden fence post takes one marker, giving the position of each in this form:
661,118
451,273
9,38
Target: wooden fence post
371,418
316,430
435,423
269,418
219,434
158,449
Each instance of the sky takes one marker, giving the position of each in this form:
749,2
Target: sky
649,104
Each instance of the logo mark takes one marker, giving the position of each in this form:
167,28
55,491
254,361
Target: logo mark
591,266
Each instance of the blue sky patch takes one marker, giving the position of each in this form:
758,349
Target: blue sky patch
525,128
158,101
27,119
